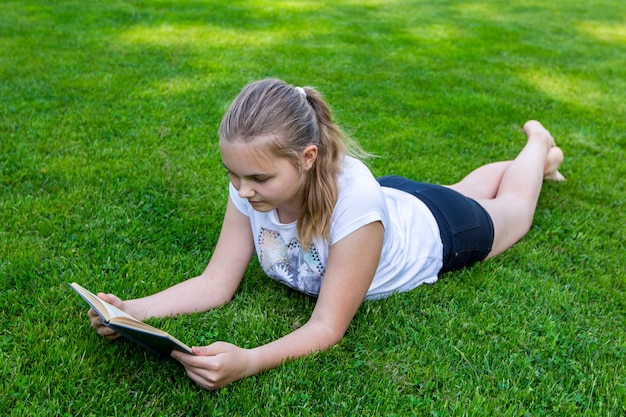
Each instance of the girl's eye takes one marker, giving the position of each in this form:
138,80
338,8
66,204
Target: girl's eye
261,180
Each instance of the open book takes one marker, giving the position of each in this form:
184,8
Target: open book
151,338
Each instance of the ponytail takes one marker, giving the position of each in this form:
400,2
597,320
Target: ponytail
321,184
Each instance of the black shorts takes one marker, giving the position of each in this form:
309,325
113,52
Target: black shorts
465,226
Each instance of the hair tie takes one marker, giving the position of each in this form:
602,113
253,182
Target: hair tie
301,91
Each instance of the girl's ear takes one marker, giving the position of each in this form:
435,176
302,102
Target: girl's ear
309,155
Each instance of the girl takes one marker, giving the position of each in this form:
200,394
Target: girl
320,223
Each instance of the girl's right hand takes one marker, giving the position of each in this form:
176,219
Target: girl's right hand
96,321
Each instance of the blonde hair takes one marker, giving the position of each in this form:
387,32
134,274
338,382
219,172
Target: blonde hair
282,120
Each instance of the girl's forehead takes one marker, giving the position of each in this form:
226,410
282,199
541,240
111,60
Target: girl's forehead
264,146
246,153
244,149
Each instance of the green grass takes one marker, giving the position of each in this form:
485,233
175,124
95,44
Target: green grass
110,176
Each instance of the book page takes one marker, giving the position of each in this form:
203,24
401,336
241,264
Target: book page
151,338
105,310
115,312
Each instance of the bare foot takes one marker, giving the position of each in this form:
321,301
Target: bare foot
554,158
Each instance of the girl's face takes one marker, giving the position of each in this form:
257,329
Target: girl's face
266,181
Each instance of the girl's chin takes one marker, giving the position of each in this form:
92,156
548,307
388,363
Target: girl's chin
261,206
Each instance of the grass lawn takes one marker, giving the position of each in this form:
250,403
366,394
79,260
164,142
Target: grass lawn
110,176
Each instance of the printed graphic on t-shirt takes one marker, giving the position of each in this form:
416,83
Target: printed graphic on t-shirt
288,263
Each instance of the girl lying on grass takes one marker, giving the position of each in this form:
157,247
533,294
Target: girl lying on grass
320,223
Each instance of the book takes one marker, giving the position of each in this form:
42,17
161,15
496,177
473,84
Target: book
149,337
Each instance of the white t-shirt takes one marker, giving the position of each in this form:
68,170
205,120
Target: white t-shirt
412,249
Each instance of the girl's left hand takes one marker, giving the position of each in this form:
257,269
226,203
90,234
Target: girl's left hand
216,365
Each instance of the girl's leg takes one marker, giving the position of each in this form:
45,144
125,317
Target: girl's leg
484,182
509,190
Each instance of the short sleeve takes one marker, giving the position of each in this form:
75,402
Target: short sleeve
361,201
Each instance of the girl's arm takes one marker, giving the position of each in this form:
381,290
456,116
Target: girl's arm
216,285
350,269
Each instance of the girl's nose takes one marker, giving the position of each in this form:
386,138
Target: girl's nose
245,190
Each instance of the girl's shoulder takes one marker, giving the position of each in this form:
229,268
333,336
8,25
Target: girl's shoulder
356,178
354,169
361,200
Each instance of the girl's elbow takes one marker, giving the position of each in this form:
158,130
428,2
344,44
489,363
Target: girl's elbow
330,336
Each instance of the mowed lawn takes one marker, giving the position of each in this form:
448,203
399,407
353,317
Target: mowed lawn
110,175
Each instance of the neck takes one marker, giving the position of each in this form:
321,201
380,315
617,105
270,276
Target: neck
286,215
290,211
